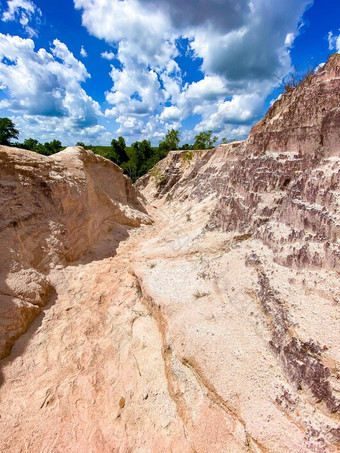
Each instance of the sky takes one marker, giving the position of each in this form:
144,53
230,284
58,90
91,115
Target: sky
93,70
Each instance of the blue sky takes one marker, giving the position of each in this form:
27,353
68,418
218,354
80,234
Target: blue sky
91,70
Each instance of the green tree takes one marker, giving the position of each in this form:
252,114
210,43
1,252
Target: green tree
141,159
30,143
186,146
81,144
7,131
119,155
170,142
204,140
48,148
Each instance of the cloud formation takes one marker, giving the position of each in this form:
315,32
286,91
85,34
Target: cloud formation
240,50
107,55
334,41
83,52
243,46
24,11
45,84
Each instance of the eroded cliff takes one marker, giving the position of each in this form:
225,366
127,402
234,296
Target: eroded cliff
214,329
53,209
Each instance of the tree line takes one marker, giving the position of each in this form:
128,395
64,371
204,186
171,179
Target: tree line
135,160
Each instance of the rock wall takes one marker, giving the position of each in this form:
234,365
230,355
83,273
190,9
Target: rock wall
281,184
305,120
215,329
53,209
247,273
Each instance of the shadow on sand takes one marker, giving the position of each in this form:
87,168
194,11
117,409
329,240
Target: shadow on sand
106,248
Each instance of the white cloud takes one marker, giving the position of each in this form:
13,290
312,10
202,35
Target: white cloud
289,39
334,41
244,48
83,52
210,88
241,109
171,113
46,84
144,30
257,49
24,11
129,126
107,55
46,129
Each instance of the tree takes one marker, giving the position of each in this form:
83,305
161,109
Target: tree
119,155
48,148
30,143
204,140
141,159
81,144
7,131
170,142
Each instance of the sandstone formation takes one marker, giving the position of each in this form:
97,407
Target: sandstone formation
213,329
53,209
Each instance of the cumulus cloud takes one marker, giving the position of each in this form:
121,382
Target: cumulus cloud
45,84
244,49
129,126
334,41
171,114
46,129
107,55
224,15
83,52
258,49
24,11
240,110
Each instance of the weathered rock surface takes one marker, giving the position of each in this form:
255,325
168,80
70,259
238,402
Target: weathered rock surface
216,328
53,209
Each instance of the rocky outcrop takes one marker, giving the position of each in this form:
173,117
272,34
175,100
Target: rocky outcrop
305,120
53,209
281,184
214,329
273,202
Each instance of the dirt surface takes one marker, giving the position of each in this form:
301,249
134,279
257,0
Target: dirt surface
166,347
203,312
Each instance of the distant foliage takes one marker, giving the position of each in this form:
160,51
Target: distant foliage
47,149
7,131
170,142
204,140
119,155
135,160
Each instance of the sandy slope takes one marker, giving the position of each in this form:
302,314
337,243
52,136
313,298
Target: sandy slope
165,347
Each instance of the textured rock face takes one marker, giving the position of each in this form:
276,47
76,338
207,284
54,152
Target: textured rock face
216,328
281,184
273,201
305,120
53,209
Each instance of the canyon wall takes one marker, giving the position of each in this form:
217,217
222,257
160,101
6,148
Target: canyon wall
214,328
53,209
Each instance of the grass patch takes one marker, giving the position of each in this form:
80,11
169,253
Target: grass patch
187,157
159,177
